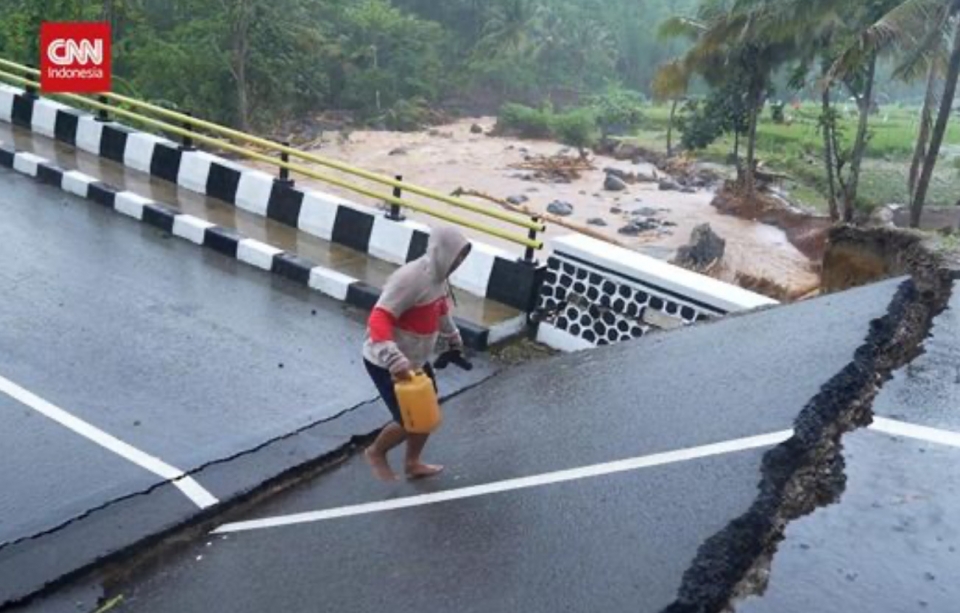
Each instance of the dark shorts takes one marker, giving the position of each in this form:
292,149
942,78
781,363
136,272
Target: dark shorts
384,382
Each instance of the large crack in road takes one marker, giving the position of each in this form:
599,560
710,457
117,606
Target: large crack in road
806,472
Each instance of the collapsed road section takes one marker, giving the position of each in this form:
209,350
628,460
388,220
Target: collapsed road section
807,471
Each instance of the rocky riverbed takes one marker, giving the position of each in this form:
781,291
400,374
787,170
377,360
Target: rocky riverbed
651,216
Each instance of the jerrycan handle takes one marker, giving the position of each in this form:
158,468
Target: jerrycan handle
416,372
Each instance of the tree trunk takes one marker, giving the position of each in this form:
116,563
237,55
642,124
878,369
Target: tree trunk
108,16
673,114
749,173
241,50
829,154
939,131
736,154
923,138
860,144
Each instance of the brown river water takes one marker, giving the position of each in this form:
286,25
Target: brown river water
450,157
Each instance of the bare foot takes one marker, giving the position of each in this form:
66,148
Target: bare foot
381,468
423,471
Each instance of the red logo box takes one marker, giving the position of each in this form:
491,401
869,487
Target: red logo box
74,57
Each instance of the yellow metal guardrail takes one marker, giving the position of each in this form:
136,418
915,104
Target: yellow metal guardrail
533,225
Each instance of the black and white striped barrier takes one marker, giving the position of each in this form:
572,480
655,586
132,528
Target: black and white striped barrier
229,242
490,272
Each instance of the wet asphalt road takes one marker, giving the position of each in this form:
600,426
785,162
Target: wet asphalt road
182,353
177,351
174,350
49,476
927,392
613,543
892,543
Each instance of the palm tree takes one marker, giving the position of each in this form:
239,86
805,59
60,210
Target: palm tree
939,131
511,38
920,30
825,31
726,33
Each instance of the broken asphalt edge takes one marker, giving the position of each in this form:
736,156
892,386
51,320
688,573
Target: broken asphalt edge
807,471
137,525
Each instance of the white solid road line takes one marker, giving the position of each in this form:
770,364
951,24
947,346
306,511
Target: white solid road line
880,424
186,484
595,470
923,433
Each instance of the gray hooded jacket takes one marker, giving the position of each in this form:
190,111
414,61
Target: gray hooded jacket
414,309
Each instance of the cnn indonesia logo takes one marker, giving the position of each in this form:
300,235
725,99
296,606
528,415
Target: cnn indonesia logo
74,57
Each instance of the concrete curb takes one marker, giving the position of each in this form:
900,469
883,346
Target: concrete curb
228,242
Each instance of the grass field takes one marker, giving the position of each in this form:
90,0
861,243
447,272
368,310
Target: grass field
795,148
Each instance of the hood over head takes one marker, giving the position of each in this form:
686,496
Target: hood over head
446,244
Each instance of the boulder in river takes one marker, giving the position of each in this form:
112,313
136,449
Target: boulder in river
704,248
476,129
399,151
639,226
626,177
669,185
614,184
560,208
597,221
517,200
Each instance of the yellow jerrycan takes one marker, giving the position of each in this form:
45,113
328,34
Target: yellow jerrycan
418,402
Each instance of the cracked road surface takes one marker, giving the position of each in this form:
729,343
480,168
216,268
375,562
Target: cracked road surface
159,348
587,482
892,542
614,541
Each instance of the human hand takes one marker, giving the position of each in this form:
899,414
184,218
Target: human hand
401,369
403,375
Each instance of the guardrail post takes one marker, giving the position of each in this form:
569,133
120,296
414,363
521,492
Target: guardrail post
29,91
187,143
285,172
395,214
102,115
528,256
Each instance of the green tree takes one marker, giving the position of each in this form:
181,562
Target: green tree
578,129
726,34
387,56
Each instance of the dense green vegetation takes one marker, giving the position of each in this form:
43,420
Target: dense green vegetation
253,62
830,48
573,70
794,148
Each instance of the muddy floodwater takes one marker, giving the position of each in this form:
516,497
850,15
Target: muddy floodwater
450,157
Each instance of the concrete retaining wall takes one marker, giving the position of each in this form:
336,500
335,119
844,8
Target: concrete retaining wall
596,294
